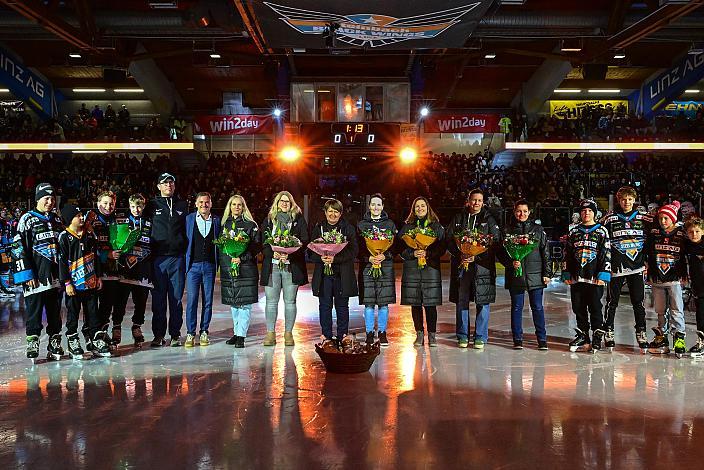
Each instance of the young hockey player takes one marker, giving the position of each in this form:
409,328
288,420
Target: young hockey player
588,269
667,270
99,220
695,262
628,230
79,271
35,265
135,271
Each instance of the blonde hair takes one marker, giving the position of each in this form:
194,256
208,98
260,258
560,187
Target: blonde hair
246,215
103,194
137,199
295,210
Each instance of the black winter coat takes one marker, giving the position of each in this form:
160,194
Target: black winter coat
342,265
535,266
483,269
299,271
422,286
695,263
382,290
243,289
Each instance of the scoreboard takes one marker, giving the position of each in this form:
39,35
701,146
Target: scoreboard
347,136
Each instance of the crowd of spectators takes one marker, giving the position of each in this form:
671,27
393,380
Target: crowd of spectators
616,125
85,125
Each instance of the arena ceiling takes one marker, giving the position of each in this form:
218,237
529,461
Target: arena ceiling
257,40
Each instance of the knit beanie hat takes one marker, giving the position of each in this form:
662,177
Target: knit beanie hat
670,210
43,189
588,204
68,212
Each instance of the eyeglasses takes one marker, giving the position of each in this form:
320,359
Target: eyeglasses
285,200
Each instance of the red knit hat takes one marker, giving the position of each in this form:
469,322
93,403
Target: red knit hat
670,210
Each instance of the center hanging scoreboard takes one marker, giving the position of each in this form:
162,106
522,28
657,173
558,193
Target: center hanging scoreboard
350,136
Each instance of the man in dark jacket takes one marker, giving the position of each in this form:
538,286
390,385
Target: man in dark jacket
335,288
534,277
168,241
478,283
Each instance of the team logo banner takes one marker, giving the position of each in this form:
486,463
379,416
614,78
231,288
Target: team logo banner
235,124
392,23
689,108
573,109
461,123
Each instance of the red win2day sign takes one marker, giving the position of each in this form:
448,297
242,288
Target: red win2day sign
235,124
461,123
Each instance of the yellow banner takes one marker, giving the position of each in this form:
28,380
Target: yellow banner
573,109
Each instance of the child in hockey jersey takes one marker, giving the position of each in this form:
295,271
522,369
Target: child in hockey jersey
588,269
667,270
79,271
694,248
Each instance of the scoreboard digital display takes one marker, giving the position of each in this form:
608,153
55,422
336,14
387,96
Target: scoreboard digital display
352,134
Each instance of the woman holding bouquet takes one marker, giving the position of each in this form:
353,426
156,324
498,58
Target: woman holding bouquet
376,291
281,271
421,282
334,281
242,290
531,274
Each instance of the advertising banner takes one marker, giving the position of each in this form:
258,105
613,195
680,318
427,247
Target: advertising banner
234,124
689,108
25,84
573,109
389,24
461,123
670,84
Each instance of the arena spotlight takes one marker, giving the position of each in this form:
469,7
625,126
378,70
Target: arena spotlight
277,112
424,111
290,154
408,155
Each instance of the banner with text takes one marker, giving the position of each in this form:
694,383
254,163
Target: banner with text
461,123
689,108
573,109
235,124
670,84
25,84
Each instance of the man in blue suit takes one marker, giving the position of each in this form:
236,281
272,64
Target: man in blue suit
202,229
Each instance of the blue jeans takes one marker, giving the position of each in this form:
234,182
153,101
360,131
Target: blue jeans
169,282
331,292
535,298
200,279
240,319
369,317
481,327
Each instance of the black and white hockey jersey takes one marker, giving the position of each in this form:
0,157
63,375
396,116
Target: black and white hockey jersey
667,264
627,235
35,251
78,260
100,224
588,255
136,265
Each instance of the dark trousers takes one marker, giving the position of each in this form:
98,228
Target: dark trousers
331,293
586,304
89,301
107,303
431,317
535,298
700,313
169,283
139,298
636,290
35,304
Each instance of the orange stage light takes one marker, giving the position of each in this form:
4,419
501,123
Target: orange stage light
290,154
408,155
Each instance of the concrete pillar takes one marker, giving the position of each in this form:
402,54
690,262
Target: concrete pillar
540,86
157,86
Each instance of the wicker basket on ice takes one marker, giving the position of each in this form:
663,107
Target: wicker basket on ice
347,356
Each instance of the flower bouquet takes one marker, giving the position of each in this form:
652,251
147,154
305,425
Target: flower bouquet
123,238
233,243
329,244
518,246
284,243
420,238
377,241
472,243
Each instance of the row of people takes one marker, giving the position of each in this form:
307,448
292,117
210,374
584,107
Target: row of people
176,249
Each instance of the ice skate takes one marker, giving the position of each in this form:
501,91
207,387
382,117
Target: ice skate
580,341
54,351
32,348
609,342
659,344
697,350
137,335
642,339
679,344
101,348
74,346
597,338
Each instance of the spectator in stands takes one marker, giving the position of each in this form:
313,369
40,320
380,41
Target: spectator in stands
123,116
